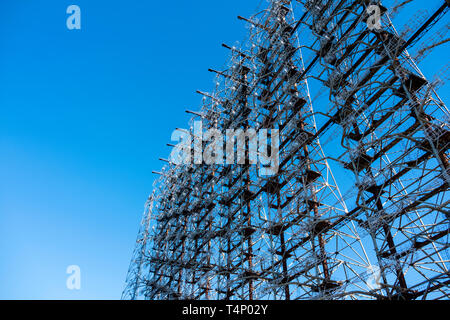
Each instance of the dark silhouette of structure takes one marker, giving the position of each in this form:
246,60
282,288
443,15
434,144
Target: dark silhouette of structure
226,232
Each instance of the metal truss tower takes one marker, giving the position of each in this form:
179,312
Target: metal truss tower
228,232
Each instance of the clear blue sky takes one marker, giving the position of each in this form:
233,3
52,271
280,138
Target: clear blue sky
84,116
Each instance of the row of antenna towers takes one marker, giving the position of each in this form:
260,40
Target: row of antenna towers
225,232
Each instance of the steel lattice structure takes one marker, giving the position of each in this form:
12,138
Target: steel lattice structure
227,232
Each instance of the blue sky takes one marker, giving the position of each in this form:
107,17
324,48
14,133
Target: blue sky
84,116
